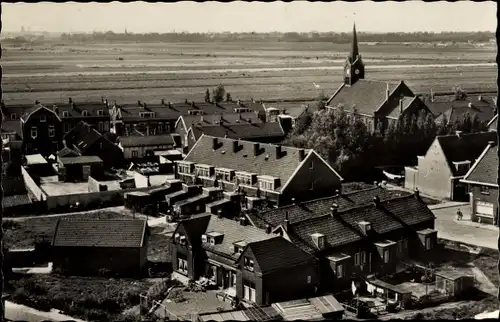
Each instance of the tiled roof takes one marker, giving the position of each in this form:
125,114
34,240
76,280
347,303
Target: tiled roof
214,119
343,228
67,152
16,200
485,170
233,232
364,95
265,163
278,253
439,107
321,207
242,131
464,147
294,109
28,112
76,109
12,127
100,233
196,225
13,186
84,159
458,113
150,140
396,111
82,136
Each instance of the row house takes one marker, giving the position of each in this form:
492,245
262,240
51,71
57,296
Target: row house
255,132
439,172
378,104
185,122
41,131
277,110
365,239
483,186
458,110
255,266
138,147
95,115
260,171
152,119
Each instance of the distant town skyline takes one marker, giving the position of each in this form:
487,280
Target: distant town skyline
298,16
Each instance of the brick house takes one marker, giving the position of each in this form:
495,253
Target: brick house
493,124
365,239
248,263
41,131
483,186
377,103
95,114
138,147
84,140
86,247
255,132
445,163
263,171
185,122
456,111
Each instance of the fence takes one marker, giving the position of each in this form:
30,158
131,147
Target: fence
32,186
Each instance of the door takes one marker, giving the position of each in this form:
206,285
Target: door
460,191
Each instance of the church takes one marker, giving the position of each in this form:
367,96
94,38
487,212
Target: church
377,103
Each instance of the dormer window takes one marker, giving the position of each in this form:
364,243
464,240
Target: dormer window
185,167
485,190
100,112
85,113
249,264
462,166
245,178
43,118
267,183
204,171
214,238
224,174
319,240
13,116
239,247
65,113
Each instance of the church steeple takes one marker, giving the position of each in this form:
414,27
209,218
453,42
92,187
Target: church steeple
354,67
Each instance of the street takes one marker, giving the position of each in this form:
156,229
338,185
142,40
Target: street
16,312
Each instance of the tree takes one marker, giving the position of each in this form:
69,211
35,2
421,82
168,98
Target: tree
207,96
218,93
228,97
460,95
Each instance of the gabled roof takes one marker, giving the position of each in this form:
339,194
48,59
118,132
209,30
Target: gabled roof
85,159
37,107
366,96
458,112
278,253
100,233
485,170
215,119
407,101
343,228
149,140
82,136
233,232
196,225
265,163
76,109
321,207
464,147
492,124
439,107
242,131
67,152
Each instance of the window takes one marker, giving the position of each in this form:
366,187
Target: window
203,171
34,132
135,154
428,243
85,113
43,118
485,190
232,279
311,165
405,243
309,279
13,116
244,179
248,263
184,168
224,175
106,126
65,113
266,185
357,259
100,127
66,128
363,258
52,131
387,254
249,291
340,271
100,112
182,265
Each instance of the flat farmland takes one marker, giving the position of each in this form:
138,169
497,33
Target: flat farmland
177,71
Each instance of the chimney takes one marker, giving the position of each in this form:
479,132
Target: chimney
186,101
376,201
238,102
256,148
162,101
192,104
169,104
337,192
139,103
480,98
293,201
278,151
458,133
37,102
432,95
268,229
219,213
401,101
387,92
221,120
492,143
375,183
70,100
417,193
102,99
202,119
287,222
235,146
302,154
333,209
215,143
243,221
144,104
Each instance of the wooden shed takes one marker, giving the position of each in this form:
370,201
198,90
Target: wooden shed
453,283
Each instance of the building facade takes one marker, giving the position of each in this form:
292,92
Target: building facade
41,131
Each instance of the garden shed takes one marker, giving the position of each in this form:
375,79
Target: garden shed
453,283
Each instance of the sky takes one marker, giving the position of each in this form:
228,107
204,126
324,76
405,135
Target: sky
300,16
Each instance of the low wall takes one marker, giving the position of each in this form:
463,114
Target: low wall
32,186
94,185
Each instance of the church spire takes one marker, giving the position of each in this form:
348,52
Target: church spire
354,48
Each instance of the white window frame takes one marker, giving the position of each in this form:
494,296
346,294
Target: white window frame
428,243
309,279
13,116
106,126
34,130
339,270
312,186
266,185
248,264
202,171
311,165
249,291
484,190
65,113
43,118
182,265
52,131
85,113
100,126
357,259
100,113
67,128
184,168
405,244
387,256
321,242
244,179
232,278
363,257
224,175
135,154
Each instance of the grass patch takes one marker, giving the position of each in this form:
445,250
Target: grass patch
488,265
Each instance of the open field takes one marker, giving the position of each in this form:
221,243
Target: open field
177,71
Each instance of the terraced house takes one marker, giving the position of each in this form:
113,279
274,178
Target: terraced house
363,239
377,103
246,262
260,171
94,114
483,186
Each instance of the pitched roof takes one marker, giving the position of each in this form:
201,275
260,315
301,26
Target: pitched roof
196,225
492,125
464,147
30,111
242,131
67,152
99,233
13,186
82,136
233,232
266,163
343,228
397,111
485,170
76,109
321,207
277,253
439,107
215,119
149,140
364,95
12,127
83,159
458,112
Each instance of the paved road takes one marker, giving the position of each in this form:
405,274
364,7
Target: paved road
466,232
16,312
